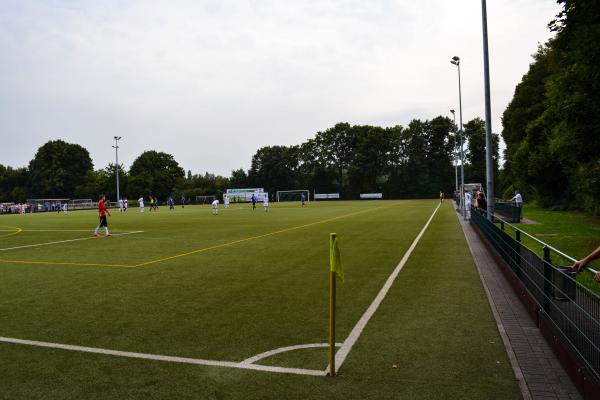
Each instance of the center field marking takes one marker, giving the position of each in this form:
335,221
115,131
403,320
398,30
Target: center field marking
157,357
64,241
342,353
257,237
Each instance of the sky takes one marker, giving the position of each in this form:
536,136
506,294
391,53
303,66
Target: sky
212,81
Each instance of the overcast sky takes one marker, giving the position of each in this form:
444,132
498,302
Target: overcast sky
211,81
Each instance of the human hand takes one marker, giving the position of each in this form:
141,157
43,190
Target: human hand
578,266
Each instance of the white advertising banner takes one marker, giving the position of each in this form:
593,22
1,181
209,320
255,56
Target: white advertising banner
371,195
324,196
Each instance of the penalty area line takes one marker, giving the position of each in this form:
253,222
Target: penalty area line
342,353
158,357
64,241
293,228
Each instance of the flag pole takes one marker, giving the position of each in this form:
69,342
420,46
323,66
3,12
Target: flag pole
332,282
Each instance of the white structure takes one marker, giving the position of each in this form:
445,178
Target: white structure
326,196
245,194
371,196
81,204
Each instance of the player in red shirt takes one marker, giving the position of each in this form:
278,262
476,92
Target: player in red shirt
102,211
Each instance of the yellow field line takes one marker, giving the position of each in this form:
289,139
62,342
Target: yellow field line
18,230
189,253
65,263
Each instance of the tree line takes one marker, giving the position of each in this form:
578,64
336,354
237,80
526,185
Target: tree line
400,162
552,125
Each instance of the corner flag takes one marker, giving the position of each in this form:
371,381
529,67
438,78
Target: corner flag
335,261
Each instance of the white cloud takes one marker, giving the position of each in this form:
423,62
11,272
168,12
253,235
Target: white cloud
211,81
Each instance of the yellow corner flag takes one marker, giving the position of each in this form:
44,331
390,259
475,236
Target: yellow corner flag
335,261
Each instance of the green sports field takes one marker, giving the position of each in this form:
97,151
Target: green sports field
211,292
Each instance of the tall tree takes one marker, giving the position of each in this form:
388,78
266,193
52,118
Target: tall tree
155,173
58,168
475,163
13,184
275,168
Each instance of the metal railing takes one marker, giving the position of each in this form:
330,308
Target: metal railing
572,309
508,210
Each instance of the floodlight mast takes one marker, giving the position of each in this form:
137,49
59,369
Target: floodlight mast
456,61
489,144
116,147
455,154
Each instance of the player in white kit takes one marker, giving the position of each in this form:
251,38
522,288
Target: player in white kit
266,202
215,207
141,202
226,201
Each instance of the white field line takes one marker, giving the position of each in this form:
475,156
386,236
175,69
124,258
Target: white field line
270,353
65,241
47,230
157,357
342,353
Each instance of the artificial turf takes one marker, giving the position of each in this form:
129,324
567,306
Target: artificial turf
231,286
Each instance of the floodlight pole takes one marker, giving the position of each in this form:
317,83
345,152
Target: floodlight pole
455,154
456,61
489,144
116,147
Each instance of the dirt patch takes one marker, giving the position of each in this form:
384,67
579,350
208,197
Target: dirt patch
526,221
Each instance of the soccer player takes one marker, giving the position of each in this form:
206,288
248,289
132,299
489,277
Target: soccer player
215,207
102,212
121,207
141,203
441,196
151,203
125,204
302,199
171,203
266,202
226,201
65,208
182,201
253,199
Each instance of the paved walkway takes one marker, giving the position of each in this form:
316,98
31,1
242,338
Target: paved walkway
540,374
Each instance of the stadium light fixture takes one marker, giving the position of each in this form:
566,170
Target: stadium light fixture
456,61
116,147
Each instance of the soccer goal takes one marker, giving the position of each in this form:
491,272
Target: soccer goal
40,205
293,195
81,204
205,199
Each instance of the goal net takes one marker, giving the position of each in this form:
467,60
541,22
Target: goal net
81,204
205,199
293,195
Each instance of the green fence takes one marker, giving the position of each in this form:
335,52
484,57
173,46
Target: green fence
508,211
571,309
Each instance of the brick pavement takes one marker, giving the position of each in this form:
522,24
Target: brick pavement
538,371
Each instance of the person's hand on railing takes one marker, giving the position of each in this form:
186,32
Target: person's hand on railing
579,265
